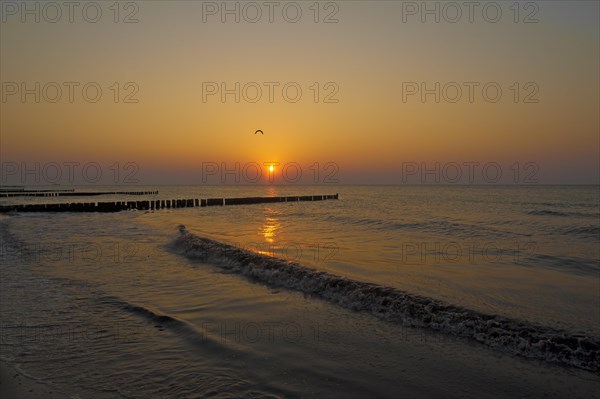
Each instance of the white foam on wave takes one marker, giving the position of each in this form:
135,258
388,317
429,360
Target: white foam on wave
515,336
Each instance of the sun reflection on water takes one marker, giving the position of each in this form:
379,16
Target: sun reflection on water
271,225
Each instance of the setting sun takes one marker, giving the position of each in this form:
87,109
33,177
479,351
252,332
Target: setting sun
432,228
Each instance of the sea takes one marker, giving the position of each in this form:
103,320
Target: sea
390,291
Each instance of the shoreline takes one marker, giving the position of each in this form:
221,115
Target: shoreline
15,385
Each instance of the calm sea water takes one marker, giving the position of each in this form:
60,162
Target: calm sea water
430,291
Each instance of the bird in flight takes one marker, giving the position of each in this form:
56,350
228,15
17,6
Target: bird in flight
259,131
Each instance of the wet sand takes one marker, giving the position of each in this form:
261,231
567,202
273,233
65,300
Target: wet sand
14,385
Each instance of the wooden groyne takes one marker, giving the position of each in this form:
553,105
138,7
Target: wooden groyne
19,190
71,193
12,188
118,206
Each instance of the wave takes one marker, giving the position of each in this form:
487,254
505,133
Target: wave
443,227
571,264
560,204
583,231
160,321
549,212
225,379
510,335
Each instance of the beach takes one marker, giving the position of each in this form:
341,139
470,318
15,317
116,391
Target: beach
15,385
300,199
295,302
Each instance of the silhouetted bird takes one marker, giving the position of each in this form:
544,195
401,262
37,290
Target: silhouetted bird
259,131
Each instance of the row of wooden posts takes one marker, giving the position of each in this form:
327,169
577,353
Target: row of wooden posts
71,193
157,204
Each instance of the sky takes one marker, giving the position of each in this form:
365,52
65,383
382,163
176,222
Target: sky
358,91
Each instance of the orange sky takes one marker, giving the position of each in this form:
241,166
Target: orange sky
370,56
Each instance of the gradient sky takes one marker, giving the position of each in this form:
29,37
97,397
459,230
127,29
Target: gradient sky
369,133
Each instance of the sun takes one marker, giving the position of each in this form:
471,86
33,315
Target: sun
271,168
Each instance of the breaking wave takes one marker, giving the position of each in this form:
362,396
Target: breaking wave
510,335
